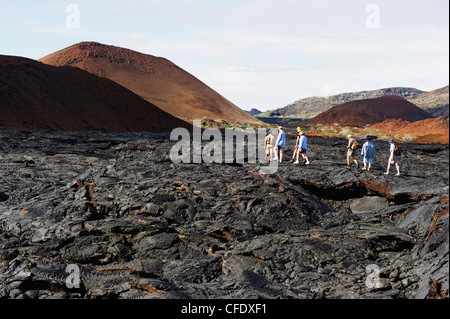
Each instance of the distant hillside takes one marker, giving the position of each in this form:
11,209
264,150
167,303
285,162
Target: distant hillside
370,111
313,106
155,79
37,96
254,112
435,102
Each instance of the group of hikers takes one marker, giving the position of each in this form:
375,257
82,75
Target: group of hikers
275,150
369,154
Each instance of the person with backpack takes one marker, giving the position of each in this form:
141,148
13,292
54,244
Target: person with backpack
297,146
394,157
351,147
268,145
303,147
368,152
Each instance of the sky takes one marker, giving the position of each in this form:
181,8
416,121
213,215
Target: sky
262,54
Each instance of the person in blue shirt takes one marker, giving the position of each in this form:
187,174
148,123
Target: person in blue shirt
303,145
368,152
280,144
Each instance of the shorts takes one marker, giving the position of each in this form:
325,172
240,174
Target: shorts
368,160
269,150
350,152
302,151
396,160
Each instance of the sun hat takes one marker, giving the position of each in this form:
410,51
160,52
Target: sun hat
349,136
391,141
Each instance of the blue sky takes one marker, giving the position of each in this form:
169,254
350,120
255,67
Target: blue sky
257,53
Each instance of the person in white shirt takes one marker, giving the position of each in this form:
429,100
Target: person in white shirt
393,158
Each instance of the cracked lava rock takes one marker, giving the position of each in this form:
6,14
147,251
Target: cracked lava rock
135,225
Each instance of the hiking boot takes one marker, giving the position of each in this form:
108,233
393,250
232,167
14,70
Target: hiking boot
296,162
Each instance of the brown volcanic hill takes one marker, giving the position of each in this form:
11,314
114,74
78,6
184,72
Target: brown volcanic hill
433,130
155,79
313,106
37,96
369,111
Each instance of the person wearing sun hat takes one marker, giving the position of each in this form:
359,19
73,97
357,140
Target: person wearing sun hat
268,145
280,144
393,158
351,147
368,152
303,146
297,146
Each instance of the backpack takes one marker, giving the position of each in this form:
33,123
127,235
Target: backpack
354,145
397,151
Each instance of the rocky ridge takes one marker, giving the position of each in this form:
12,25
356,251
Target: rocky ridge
312,106
139,226
435,102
